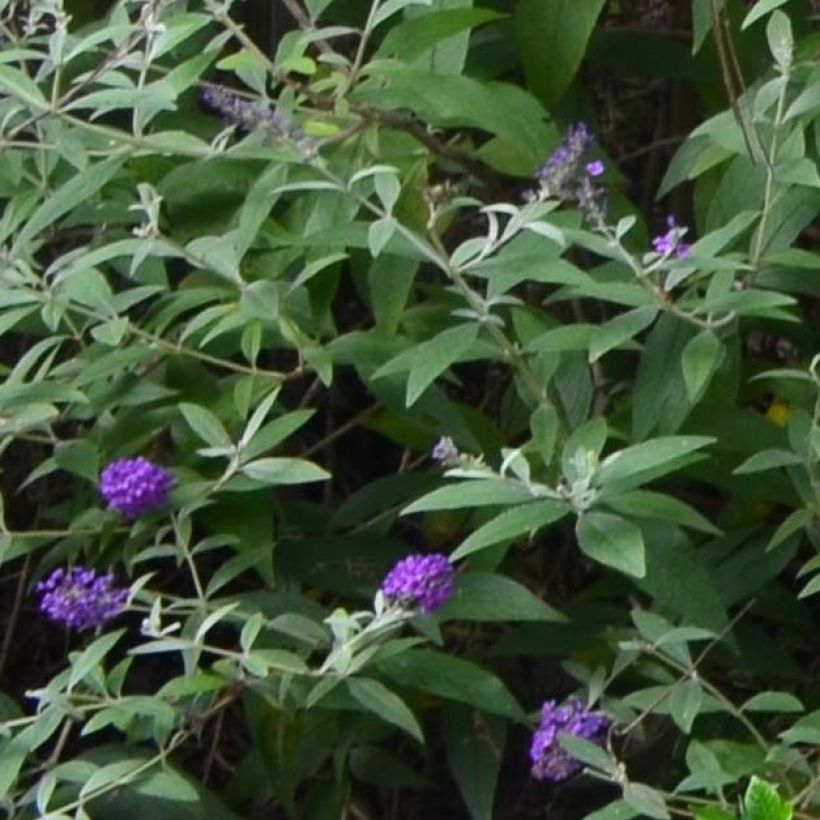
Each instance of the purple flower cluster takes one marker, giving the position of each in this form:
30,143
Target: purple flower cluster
80,598
549,760
446,452
135,486
250,116
565,175
670,243
563,164
423,582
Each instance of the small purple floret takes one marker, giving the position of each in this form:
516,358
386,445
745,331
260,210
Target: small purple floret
135,486
549,760
595,169
423,582
80,598
445,452
670,243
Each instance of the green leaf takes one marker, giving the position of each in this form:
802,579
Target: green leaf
797,520
773,702
167,785
390,7
648,504
484,596
390,280
122,771
684,704
551,38
511,523
696,156
284,471
378,767
760,9
257,204
805,730
451,101
620,329
660,399
811,588
589,753
475,746
616,810
380,233
412,37
590,437
627,468
217,254
111,333
646,800
612,541
702,20
377,698
544,424
670,557
768,460
82,663
781,40
762,802
21,86
205,424
475,493
78,190
710,813
701,357
454,679
434,357
274,432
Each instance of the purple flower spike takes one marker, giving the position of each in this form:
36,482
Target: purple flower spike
248,115
135,486
423,582
596,168
564,162
80,598
549,760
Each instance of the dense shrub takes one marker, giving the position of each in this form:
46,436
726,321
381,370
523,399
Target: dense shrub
421,416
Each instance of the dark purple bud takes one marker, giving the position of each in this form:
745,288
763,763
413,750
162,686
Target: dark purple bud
550,761
423,582
135,486
80,598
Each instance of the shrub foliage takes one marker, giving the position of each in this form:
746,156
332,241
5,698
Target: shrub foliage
418,414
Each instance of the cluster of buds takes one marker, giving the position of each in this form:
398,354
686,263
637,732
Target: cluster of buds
549,760
250,116
568,174
80,598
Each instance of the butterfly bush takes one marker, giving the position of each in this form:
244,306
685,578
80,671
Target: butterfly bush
135,486
80,598
236,299
423,582
549,760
